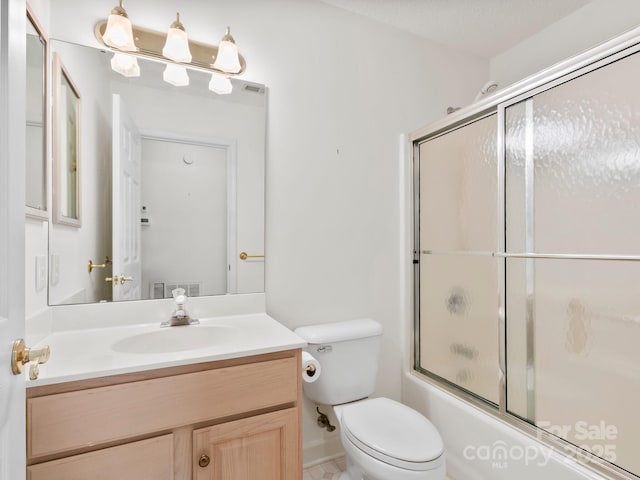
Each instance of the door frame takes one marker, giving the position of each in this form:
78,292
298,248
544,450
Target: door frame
13,16
230,146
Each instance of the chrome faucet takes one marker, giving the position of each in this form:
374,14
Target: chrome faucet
179,316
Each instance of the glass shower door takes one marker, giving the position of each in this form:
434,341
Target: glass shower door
573,280
458,328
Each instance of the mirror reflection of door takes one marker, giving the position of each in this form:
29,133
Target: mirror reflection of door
126,194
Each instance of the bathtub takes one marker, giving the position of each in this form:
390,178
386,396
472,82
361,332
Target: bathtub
482,447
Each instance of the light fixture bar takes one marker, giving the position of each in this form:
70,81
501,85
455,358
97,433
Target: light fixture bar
150,44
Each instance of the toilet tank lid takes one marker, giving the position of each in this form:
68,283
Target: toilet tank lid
340,331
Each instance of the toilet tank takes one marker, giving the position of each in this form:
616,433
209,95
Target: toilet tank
348,355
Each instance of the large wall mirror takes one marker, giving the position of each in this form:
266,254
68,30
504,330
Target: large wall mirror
36,107
172,186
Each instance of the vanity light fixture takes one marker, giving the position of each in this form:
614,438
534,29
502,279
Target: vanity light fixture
125,65
176,47
176,75
220,85
120,36
119,31
227,59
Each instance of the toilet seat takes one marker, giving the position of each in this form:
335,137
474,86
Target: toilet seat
392,433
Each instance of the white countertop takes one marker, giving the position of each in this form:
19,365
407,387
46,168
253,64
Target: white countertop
90,353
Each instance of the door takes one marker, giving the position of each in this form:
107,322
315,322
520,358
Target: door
458,275
265,447
12,271
126,205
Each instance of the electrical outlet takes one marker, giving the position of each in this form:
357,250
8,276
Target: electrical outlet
55,269
41,272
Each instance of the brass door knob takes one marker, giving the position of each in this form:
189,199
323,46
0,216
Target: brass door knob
114,280
21,355
245,256
125,279
204,460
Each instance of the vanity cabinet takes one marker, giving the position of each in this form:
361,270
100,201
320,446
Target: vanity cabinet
230,419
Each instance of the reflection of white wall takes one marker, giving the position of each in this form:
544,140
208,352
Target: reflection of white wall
76,246
186,239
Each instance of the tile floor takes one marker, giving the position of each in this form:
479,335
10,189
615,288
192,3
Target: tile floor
328,470
325,471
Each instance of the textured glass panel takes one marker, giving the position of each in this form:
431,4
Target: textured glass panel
586,152
587,361
458,189
458,321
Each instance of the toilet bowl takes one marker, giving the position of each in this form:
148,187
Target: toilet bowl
383,439
386,440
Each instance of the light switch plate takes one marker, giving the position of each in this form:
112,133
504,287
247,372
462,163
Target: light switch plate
41,272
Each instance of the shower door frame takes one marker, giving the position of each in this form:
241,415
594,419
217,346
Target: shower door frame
593,59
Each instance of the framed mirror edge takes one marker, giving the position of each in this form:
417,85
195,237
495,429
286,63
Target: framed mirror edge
60,74
34,212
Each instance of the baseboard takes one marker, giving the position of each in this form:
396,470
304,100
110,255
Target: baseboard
319,452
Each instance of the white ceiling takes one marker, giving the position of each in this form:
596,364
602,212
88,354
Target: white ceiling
480,27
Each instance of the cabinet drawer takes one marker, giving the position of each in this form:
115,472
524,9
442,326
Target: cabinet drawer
145,460
75,420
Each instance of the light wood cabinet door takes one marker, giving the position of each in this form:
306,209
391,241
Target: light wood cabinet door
265,447
144,460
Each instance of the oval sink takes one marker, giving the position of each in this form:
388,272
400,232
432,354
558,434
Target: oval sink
176,339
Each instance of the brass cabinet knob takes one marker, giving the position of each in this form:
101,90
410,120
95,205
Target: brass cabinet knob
204,460
125,279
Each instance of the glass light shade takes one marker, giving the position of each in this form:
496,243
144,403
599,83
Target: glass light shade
220,85
119,33
126,65
176,47
227,59
176,75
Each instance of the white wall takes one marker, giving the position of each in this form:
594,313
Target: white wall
333,198
596,22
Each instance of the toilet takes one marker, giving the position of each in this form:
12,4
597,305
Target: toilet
383,439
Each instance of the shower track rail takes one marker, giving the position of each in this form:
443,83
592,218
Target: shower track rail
555,256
